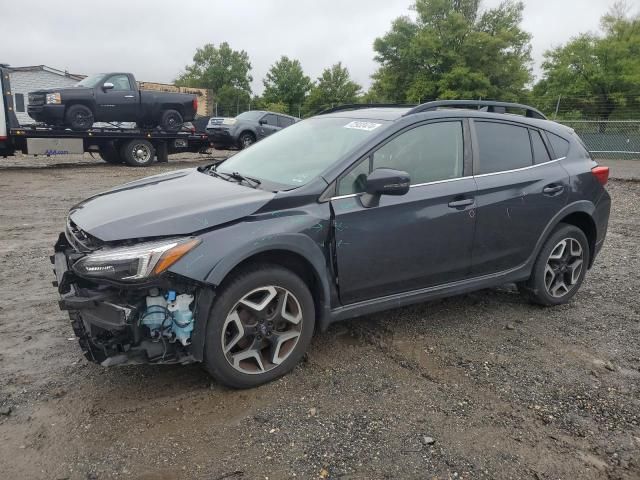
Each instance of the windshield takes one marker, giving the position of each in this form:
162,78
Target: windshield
251,115
297,154
91,81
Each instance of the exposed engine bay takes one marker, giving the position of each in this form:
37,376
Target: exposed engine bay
155,328
118,324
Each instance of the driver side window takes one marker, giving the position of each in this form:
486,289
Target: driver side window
120,82
428,153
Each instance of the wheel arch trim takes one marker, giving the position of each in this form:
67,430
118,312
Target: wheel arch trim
580,207
297,244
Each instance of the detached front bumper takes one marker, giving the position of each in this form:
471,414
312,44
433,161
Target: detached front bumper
106,319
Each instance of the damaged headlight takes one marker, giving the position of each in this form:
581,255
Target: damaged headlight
137,262
53,98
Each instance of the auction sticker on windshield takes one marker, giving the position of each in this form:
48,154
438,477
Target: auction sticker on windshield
359,125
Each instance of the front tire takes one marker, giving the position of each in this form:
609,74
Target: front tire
138,153
560,267
246,140
259,328
79,118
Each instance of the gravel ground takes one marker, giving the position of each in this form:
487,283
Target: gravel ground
477,386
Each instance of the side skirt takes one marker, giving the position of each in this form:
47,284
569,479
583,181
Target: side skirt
430,293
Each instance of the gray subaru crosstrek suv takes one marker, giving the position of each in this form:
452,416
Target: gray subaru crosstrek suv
351,212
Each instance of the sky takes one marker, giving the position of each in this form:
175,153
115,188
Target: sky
156,39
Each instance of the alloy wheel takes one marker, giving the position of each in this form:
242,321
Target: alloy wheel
172,121
247,141
82,119
262,330
563,268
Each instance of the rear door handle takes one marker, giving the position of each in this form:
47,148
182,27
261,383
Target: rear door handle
465,202
552,189
129,96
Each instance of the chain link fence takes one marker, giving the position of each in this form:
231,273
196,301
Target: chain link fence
611,139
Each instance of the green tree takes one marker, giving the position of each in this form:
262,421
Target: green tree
334,87
454,50
598,75
286,83
221,69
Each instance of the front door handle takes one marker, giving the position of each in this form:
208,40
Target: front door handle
553,189
129,96
465,202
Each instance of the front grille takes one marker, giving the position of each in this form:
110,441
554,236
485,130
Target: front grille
81,240
36,99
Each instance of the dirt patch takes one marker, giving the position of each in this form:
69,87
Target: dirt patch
478,386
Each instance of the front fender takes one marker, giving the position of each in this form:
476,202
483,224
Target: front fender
302,232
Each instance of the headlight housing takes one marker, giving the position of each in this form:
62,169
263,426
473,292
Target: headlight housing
229,121
134,263
53,98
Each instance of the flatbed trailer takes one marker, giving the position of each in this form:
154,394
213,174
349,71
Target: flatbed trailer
114,144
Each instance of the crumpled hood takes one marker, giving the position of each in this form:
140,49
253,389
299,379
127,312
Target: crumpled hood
178,203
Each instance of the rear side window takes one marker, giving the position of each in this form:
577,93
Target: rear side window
502,147
560,145
540,153
271,119
284,121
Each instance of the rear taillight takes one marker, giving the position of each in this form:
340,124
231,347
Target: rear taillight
195,104
601,174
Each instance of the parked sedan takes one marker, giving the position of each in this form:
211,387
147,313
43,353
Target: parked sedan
246,129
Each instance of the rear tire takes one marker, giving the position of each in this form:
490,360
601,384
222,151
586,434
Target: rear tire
560,267
260,326
79,118
171,120
110,154
138,153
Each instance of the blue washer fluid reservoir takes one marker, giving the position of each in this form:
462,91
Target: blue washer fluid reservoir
182,325
156,313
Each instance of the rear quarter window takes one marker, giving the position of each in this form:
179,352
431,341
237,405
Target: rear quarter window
502,147
540,153
560,145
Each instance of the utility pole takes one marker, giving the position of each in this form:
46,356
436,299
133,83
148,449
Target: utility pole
555,115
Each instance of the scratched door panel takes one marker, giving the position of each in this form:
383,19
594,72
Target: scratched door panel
408,242
513,212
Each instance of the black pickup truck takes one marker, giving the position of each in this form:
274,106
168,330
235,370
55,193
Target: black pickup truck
111,97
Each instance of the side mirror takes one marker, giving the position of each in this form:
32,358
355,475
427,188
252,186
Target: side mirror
262,121
107,86
385,181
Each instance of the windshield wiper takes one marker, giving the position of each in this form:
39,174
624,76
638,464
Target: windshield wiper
253,182
249,180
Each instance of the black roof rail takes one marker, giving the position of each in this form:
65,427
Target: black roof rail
491,106
359,106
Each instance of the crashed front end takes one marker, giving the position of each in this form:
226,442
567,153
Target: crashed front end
124,306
